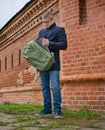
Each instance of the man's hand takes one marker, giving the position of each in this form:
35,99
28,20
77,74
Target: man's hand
45,42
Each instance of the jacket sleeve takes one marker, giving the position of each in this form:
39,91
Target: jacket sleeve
61,42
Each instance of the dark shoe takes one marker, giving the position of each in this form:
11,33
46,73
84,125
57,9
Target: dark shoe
44,113
58,115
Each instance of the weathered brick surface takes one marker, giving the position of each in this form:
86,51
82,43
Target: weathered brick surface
82,64
86,42
85,94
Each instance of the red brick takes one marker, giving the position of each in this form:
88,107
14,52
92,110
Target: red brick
83,61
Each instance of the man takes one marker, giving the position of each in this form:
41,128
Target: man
55,38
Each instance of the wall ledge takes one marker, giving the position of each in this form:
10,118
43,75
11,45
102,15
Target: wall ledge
83,78
20,89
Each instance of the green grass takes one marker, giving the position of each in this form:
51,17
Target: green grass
71,128
57,124
92,125
25,113
22,118
32,109
19,128
32,123
3,123
83,113
19,108
86,113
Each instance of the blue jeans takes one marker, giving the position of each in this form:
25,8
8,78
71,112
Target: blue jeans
47,78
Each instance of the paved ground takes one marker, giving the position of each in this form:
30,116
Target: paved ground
12,124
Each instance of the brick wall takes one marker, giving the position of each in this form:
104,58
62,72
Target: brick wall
19,81
82,64
89,94
86,41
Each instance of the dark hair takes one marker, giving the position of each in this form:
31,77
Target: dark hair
48,14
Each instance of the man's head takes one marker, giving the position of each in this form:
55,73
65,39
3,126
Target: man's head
47,18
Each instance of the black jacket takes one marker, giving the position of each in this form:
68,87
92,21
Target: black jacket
57,41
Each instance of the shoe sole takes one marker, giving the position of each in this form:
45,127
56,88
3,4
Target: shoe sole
43,115
58,117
